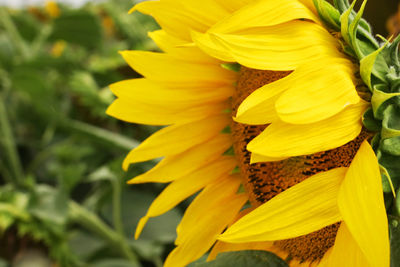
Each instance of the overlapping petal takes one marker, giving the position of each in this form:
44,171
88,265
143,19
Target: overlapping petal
288,140
299,210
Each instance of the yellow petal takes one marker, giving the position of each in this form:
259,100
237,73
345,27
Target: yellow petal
262,14
211,197
165,68
345,252
177,166
304,208
172,17
146,113
184,187
176,139
146,91
234,5
362,207
318,91
178,48
208,226
282,47
259,107
288,140
312,92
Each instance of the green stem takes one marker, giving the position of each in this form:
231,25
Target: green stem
117,218
39,41
9,146
12,31
92,223
114,139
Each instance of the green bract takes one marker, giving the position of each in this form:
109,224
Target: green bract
380,71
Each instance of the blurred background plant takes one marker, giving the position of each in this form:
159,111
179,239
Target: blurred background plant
63,194
63,198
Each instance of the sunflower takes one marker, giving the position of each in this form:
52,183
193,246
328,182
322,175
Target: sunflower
264,104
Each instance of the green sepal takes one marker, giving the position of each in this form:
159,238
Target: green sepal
369,121
390,170
391,122
235,170
353,27
391,145
367,66
394,236
380,101
229,152
345,19
341,5
231,66
329,14
227,130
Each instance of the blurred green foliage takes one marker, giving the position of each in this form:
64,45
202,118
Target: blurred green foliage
63,197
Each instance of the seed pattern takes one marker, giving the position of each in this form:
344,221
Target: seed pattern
265,180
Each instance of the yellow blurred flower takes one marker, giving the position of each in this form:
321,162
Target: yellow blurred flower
52,9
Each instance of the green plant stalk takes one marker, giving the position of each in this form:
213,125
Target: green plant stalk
9,146
12,31
114,139
93,223
37,44
117,218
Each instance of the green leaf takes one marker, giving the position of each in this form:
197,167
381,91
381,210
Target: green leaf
245,258
78,27
394,231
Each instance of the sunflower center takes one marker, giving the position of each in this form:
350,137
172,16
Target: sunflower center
265,180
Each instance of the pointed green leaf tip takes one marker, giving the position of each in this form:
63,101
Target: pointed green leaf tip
367,65
244,258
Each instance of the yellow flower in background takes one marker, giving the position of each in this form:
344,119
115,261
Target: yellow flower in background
276,149
52,9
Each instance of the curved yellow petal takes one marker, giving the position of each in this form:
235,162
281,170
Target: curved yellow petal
184,187
304,208
318,91
345,252
281,139
177,166
168,70
178,48
151,114
209,198
262,14
209,225
282,47
172,17
259,107
145,91
362,207
177,138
